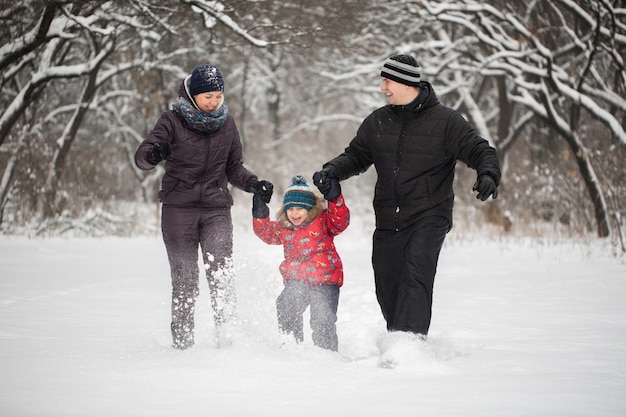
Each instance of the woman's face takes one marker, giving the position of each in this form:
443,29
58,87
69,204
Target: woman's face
209,101
297,215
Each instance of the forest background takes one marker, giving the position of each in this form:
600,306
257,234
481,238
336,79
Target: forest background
83,82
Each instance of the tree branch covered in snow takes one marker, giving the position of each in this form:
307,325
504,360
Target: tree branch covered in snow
522,54
63,56
562,58
544,82
214,11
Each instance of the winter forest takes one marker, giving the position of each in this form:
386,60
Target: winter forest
83,82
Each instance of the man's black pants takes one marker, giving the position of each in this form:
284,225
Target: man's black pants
405,263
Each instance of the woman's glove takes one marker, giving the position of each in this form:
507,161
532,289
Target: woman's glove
160,152
263,188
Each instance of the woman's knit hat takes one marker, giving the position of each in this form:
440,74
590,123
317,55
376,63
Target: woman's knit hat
205,78
403,69
299,194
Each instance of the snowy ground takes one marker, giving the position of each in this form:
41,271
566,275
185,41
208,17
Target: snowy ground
519,329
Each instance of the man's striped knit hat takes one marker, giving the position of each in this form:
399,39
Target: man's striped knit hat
299,194
403,69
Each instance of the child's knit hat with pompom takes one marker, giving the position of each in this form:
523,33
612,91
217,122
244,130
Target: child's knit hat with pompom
299,194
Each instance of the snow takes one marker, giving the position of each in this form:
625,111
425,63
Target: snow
520,328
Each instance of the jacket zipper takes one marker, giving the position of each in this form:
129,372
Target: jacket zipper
204,172
396,170
406,115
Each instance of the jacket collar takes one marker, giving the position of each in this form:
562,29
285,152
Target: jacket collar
426,98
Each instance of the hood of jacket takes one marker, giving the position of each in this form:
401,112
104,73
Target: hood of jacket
183,92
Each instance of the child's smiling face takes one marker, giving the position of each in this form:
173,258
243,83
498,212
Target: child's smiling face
297,215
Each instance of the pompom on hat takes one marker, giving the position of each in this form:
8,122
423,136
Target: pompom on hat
299,194
205,78
403,69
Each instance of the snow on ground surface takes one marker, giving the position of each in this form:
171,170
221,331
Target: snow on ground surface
519,329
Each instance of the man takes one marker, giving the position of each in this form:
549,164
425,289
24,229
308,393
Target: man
413,143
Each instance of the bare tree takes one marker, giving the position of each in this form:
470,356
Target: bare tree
60,65
559,61
83,82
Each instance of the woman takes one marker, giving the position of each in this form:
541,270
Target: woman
199,142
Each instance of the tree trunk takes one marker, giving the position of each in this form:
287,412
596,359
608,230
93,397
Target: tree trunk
593,188
47,201
7,176
588,174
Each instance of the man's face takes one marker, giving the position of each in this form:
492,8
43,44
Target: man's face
397,93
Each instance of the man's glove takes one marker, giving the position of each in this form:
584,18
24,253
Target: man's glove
327,182
486,186
259,207
263,188
160,152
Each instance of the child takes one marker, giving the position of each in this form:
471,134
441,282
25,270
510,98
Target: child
312,270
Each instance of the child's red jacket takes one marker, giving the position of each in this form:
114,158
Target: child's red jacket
310,253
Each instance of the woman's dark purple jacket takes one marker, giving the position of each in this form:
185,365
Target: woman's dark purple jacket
200,165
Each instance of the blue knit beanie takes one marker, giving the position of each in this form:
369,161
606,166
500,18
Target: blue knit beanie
205,78
299,194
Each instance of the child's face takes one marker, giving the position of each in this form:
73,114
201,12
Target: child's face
297,215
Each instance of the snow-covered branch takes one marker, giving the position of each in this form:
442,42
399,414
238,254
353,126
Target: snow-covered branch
21,45
523,54
45,73
215,10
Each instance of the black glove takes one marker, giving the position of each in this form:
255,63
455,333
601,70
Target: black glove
263,188
327,182
160,152
259,207
486,186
